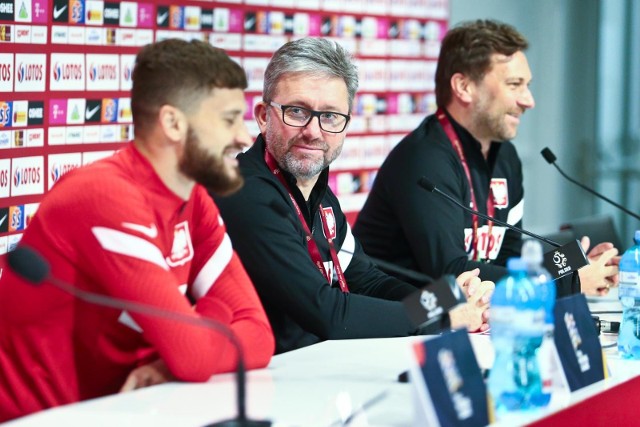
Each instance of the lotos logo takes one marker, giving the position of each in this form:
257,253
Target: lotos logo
29,72
57,171
5,72
25,176
67,72
4,178
126,73
102,72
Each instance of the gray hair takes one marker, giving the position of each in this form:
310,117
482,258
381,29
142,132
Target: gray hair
315,56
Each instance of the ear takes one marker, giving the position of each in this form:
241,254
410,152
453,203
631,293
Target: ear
260,114
173,123
462,88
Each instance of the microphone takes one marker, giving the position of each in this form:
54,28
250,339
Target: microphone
559,262
31,266
551,159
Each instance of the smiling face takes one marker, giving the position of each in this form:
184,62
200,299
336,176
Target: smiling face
305,151
216,134
501,97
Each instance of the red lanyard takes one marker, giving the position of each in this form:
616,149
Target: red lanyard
457,146
312,247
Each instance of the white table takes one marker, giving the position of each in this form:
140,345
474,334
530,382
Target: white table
317,385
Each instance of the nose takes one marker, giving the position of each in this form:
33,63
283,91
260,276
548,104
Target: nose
526,100
243,137
312,130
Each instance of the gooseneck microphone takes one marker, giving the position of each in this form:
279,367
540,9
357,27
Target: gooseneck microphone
426,183
551,159
31,266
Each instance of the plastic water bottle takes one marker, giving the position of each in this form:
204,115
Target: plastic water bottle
548,361
629,294
517,328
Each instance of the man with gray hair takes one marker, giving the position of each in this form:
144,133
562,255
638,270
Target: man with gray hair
312,276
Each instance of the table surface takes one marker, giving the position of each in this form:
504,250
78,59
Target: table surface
320,385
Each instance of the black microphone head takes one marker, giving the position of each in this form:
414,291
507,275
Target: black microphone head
28,264
548,155
426,183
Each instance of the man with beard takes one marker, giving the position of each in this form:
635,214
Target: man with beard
482,91
311,274
140,227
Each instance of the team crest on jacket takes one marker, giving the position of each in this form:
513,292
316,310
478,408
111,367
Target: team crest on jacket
500,192
331,223
182,248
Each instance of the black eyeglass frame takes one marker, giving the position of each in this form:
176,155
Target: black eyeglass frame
312,114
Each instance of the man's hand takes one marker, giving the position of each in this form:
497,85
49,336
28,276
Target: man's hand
147,375
602,272
474,315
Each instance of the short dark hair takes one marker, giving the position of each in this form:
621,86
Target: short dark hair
178,73
467,48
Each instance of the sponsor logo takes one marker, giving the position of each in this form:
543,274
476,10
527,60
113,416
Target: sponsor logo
4,224
35,137
20,109
76,12
5,33
18,138
176,17
58,170
60,11
5,72
35,114
16,218
5,114
58,111
109,110
39,8
92,112
111,13
26,176
6,10
67,72
29,72
161,17
5,139
102,72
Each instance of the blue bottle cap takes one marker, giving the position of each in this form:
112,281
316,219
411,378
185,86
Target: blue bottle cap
636,237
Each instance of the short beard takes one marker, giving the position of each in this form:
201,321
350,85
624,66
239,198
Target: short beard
207,169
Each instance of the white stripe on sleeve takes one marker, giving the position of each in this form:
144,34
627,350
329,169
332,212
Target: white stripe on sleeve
126,244
515,214
213,268
346,250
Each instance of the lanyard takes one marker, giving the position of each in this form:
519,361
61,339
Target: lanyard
457,146
312,247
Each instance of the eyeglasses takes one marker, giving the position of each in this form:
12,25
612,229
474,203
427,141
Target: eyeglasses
299,117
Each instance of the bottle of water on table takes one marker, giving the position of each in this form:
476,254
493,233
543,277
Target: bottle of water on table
517,329
629,294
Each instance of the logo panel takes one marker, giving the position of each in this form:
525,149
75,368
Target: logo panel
30,72
40,11
35,113
127,63
76,11
57,111
60,11
20,109
61,164
103,72
6,115
6,72
128,14
27,176
109,110
34,137
6,10
111,14
67,71
5,182
93,14
75,111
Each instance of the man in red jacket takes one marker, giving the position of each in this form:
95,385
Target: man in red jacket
139,226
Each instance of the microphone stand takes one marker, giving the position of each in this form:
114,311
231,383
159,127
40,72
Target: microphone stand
30,265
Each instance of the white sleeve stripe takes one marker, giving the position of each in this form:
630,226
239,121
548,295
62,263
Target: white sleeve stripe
516,213
126,244
346,250
213,268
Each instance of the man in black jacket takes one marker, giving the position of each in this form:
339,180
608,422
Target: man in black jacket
482,91
286,224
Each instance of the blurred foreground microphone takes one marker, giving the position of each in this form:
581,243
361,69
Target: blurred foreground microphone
559,262
28,264
551,159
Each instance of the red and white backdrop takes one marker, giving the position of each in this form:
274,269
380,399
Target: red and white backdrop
65,76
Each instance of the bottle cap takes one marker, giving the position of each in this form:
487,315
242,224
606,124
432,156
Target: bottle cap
637,237
532,252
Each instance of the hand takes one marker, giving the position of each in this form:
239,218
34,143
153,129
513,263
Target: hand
147,375
474,314
469,281
602,272
597,251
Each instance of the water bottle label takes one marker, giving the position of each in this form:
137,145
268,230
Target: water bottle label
629,278
521,320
